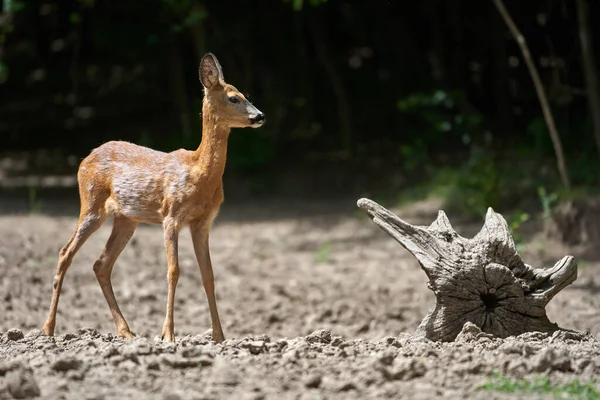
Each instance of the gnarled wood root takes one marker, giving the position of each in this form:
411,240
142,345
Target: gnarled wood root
480,280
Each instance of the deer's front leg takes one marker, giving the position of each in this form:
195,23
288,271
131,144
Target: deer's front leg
200,240
171,232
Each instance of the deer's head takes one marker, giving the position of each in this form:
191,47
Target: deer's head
226,103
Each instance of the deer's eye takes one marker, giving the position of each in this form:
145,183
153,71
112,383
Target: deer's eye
234,100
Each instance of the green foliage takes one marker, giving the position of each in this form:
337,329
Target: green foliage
542,385
297,5
75,18
10,6
485,180
474,186
414,155
187,13
577,140
446,120
443,113
515,220
324,253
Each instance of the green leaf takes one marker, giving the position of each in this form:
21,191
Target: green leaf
75,18
439,96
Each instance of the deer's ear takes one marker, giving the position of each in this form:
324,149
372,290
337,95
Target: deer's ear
210,71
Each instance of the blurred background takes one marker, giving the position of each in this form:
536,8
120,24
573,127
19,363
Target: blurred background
390,99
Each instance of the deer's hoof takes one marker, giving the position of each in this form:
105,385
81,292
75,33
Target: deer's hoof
218,337
48,330
126,334
168,337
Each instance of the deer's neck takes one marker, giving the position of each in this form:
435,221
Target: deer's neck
211,155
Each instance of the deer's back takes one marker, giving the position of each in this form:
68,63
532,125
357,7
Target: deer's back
140,183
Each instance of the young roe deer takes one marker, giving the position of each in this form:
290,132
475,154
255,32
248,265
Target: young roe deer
138,184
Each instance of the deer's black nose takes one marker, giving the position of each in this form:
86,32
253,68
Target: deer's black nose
258,118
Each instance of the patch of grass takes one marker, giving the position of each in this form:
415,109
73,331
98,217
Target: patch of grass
542,385
324,253
547,200
35,204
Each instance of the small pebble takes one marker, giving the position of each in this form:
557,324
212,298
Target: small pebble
312,381
66,364
14,335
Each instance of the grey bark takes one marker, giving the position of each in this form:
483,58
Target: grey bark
482,280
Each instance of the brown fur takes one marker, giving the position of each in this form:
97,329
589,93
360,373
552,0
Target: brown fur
137,184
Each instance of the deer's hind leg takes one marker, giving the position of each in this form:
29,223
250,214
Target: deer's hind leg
89,222
122,231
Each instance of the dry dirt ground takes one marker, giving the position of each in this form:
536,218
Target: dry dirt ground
316,303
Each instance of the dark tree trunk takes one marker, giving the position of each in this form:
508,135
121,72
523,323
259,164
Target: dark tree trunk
589,67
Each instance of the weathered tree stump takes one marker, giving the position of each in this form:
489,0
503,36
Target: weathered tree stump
480,280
